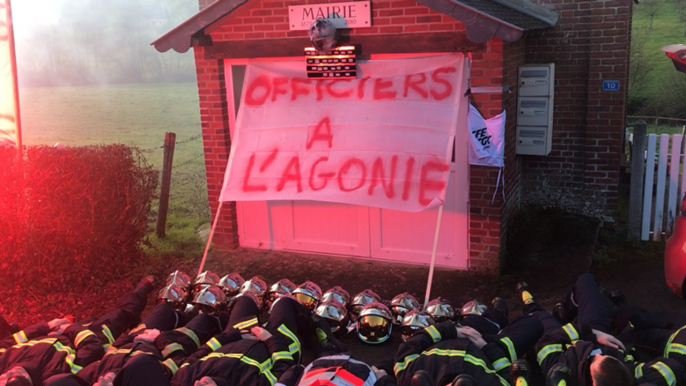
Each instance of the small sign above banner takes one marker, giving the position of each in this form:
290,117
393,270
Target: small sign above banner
356,14
337,63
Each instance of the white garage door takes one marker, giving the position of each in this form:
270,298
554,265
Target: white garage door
351,230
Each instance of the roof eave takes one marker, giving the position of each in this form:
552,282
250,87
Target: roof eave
480,26
182,37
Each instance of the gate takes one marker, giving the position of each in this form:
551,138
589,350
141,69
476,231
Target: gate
655,199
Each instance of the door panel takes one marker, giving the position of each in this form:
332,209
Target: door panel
305,226
330,228
408,237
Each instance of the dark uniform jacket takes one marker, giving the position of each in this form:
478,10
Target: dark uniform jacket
237,361
46,356
169,348
438,350
577,346
33,331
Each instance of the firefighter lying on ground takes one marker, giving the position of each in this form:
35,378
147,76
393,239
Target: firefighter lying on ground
583,352
445,353
59,346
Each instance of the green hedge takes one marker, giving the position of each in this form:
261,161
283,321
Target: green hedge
72,217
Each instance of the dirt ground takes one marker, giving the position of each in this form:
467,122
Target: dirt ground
548,256
547,250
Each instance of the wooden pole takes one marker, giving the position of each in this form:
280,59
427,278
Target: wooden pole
433,256
636,184
169,142
209,238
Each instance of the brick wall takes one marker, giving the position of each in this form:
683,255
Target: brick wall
268,19
589,44
515,54
216,143
484,216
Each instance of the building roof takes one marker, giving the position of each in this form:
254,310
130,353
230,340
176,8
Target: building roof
484,19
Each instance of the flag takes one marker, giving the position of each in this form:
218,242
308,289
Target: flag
486,139
9,111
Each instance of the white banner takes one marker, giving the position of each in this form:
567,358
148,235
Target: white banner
8,119
486,139
384,139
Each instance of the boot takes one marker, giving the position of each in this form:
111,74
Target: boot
464,380
523,291
147,284
520,372
421,378
558,375
562,313
499,303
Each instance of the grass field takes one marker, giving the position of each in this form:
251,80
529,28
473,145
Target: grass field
138,115
668,27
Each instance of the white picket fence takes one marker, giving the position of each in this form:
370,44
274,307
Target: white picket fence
665,180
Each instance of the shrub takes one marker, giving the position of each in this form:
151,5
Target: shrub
76,216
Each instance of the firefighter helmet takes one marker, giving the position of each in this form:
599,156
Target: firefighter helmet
258,288
374,323
179,278
335,314
231,284
440,309
203,280
338,294
308,294
174,295
401,304
414,321
360,300
472,307
277,290
210,299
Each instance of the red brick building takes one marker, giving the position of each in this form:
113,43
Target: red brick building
587,40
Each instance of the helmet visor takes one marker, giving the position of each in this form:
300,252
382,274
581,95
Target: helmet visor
306,300
374,328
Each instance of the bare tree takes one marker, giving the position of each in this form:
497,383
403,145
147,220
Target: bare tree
673,95
638,66
652,7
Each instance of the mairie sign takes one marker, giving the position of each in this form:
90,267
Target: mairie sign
356,14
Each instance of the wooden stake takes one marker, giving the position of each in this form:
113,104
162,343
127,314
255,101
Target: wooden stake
433,255
169,142
209,239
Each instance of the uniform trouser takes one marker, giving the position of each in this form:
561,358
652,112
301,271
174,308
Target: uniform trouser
293,320
642,319
65,380
125,314
142,370
289,318
520,335
588,302
547,320
656,333
490,322
652,331
242,308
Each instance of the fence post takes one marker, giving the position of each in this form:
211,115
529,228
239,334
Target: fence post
636,185
169,142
